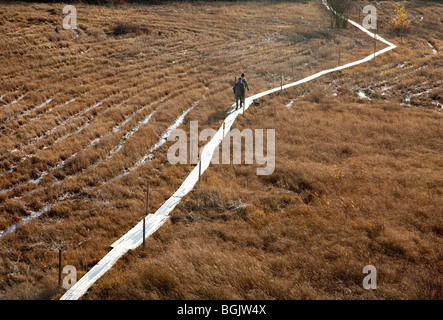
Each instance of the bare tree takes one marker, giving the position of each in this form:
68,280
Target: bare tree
341,7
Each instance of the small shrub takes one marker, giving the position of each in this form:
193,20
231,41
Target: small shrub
317,95
342,8
124,28
400,21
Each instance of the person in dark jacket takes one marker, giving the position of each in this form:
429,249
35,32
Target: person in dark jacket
243,79
239,92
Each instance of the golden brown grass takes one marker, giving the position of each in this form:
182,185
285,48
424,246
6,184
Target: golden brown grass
306,232
356,181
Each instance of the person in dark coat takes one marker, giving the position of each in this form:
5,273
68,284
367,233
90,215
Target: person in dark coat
239,92
243,79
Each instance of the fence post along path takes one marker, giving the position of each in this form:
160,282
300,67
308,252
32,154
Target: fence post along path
134,238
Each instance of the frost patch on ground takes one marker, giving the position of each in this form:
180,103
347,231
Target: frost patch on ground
162,141
434,50
15,101
363,95
14,227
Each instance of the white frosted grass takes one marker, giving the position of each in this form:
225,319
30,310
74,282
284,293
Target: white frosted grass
118,127
408,99
24,184
162,141
9,171
81,128
177,122
434,50
15,101
86,124
49,109
363,95
94,142
69,120
7,93
134,237
127,135
37,107
90,108
36,139
99,103
122,141
32,216
38,180
69,101
437,104
4,191
132,132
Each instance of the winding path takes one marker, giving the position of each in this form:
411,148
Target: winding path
134,237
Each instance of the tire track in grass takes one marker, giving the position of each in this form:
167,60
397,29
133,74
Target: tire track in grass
149,155
115,129
102,81
79,129
63,197
54,129
69,134
130,69
30,144
14,101
47,134
139,163
142,122
126,138
37,181
18,89
132,239
23,113
147,67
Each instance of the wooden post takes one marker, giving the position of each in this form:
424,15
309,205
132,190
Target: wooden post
147,199
375,43
199,168
144,218
223,131
281,82
339,54
60,267
144,232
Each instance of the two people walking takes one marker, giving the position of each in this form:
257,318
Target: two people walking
240,87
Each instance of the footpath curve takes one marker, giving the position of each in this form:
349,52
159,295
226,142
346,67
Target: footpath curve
134,237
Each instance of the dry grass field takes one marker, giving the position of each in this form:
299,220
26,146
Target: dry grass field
358,177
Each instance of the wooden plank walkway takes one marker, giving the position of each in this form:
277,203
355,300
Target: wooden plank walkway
134,237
